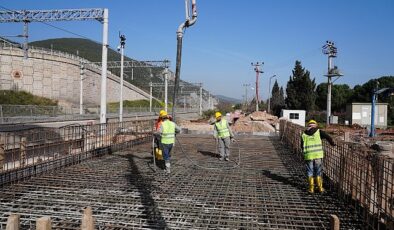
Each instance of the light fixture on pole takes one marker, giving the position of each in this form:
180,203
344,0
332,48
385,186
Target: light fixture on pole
330,50
121,48
269,93
258,71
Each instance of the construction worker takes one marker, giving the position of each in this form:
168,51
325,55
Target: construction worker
159,120
167,131
311,142
223,134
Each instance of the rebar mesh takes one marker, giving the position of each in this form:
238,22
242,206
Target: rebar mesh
362,178
267,191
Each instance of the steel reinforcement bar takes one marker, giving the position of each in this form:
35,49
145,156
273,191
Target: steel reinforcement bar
361,177
33,150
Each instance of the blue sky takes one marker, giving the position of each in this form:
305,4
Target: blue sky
229,35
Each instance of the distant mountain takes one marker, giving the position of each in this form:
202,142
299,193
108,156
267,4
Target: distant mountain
92,50
231,100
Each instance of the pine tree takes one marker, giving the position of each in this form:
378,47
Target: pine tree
277,99
300,89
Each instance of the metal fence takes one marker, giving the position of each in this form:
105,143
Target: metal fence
34,150
12,114
361,177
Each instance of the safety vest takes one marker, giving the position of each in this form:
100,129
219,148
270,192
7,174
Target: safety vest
313,147
221,127
168,134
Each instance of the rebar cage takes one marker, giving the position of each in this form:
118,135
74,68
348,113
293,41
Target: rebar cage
361,177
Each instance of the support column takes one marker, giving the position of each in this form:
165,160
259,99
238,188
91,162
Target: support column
103,100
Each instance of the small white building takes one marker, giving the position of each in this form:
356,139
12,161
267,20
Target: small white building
295,116
360,113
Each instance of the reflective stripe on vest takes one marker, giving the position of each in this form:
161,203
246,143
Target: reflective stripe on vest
168,134
222,129
313,147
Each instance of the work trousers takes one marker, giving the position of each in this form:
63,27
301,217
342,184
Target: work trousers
167,151
224,147
314,167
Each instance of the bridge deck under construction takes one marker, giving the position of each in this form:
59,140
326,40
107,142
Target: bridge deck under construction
267,190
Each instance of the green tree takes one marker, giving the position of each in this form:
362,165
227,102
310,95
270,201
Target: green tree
277,102
340,96
300,89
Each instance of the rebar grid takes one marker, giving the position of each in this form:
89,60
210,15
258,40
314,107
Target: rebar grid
362,178
32,150
267,191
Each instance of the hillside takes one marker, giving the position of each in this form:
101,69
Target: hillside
12,97
91,51
228,99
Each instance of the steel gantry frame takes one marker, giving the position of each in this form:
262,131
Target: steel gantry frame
151,85
138,64
101,15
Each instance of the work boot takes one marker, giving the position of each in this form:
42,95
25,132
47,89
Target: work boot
311,185
168,166
319,181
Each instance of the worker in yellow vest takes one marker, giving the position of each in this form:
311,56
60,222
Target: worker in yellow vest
312,146
223,135
167,131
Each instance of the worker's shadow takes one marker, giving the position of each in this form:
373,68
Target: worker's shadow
208,153
292,181
144,185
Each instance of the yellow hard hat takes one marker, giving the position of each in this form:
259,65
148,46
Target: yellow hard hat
312,122
163,113
218,114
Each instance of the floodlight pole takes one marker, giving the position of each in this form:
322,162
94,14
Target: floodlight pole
166,89
81,89
150,96
122,44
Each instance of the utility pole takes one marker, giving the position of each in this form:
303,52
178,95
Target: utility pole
330,50
81,90
269,94
121,47
258,71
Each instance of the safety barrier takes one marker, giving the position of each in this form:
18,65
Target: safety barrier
32,150
361,177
